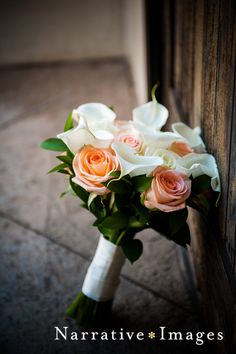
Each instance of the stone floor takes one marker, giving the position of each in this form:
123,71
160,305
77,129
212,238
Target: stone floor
47,242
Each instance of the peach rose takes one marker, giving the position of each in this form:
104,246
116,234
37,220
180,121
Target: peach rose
130,139
92,166
180,148
169,190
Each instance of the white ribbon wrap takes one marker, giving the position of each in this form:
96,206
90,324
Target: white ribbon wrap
103,274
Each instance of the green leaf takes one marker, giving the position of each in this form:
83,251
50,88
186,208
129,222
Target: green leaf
131,205
91,197
122,201
70,154
79,191
132,249
65,172
177,219
199,202
97,206
66,159
110,233
159,221
63,194
201,184
69,122
121,186
182,237
137,223
99,221
142,183
58,168
68,190
117,220
112,108
53,144
115,174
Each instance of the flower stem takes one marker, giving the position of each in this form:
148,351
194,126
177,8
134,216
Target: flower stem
88,312
119,239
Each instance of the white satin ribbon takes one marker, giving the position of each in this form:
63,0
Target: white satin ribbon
103,274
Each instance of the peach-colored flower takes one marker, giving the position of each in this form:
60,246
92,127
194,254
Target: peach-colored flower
169,190
92,166
129,139
180,148
128,134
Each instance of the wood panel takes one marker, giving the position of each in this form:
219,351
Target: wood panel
199,88
218,104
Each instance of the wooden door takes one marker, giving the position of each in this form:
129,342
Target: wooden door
192,51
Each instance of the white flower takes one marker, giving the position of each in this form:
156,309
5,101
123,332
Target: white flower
199,164
128,134
160,140
97,116
133,164
181,133
190,136
95,127
150,117
170,158
126,126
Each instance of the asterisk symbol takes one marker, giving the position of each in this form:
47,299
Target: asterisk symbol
151,335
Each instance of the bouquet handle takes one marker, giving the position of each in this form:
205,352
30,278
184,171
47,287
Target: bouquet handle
100,284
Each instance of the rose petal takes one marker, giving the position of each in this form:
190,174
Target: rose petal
92,166
169,190
92,189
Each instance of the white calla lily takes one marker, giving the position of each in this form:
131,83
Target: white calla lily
199,164
170,158
125,126
160,140
79,136
133,164
76,138
190,136
96,115
150,117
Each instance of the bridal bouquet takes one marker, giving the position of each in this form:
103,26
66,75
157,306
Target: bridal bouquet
131,176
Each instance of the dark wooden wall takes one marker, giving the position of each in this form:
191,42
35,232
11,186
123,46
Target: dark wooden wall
198,76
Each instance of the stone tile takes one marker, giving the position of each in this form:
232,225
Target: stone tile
30,90
23,171
159,270
39,278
